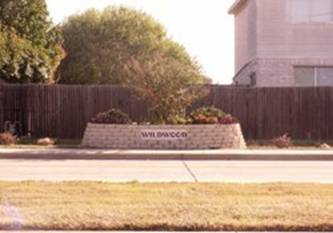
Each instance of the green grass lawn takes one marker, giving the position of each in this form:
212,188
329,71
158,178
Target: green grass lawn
135,206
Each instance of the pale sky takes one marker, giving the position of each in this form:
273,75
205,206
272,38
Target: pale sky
202,26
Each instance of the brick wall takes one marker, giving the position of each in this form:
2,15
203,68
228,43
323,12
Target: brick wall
280,71
277,72
243,77
190,137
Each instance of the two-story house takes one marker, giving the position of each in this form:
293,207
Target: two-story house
283,42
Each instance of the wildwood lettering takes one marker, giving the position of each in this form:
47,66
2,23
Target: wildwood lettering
164,134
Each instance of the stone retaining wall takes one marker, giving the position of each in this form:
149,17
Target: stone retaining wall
187,137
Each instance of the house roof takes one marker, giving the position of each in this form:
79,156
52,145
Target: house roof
236,6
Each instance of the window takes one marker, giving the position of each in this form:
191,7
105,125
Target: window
253,79
325,76
314,76
304,76
311,10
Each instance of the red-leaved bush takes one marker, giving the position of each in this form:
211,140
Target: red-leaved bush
228,120
7,139
283,141
212,115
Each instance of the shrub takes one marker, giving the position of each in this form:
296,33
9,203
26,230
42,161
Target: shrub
178,120
211,115
228,120
7,139
27,140
283,141
208,112
166,85
113,116
207,115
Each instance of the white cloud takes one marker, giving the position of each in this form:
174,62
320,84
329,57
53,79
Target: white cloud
202,26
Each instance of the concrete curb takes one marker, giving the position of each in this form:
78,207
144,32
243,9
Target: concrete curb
50,231
245,155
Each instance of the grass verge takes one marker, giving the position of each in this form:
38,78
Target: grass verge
297,144
134,206
31,143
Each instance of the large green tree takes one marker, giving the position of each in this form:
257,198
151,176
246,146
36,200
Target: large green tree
30,48
100,44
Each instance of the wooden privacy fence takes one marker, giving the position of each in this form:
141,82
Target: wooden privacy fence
63,111
265,113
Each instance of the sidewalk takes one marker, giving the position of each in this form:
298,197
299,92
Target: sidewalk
91,154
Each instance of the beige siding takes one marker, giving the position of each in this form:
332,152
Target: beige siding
245,34
279,37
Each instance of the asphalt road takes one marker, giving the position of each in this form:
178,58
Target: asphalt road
166,171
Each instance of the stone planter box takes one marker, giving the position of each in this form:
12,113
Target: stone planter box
164,137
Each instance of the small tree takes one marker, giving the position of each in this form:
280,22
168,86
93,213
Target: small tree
166,84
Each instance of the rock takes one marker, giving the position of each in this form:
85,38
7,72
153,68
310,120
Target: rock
45,142
325,146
